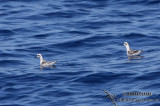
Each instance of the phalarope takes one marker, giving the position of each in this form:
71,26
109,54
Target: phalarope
45,63
131,52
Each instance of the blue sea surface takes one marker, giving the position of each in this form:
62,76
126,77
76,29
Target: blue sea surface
86,37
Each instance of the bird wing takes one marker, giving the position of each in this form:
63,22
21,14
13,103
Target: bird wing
133,51
48,63
53,62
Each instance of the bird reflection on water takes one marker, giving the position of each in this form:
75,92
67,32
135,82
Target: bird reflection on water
45,67
135,58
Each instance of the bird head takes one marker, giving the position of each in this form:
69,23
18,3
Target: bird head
39,55
125,43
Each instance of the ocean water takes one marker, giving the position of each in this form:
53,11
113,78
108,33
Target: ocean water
86,37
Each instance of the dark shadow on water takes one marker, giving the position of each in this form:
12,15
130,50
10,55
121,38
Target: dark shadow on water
135,58
48,67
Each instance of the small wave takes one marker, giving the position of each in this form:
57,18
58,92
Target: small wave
57,93
86,42
6,32
41,36
33,17
148,76
3,14
91,4
102,77
78,32
23,50
139,2
11,55
152,2
134,36
21,30
152,86
39,49
131,15
65,14
134,2
118,22
97,56
17,1
5,63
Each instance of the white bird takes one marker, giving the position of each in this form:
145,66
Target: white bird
131,52
45,63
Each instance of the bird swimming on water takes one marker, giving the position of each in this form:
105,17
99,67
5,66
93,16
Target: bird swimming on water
45,63
131,52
